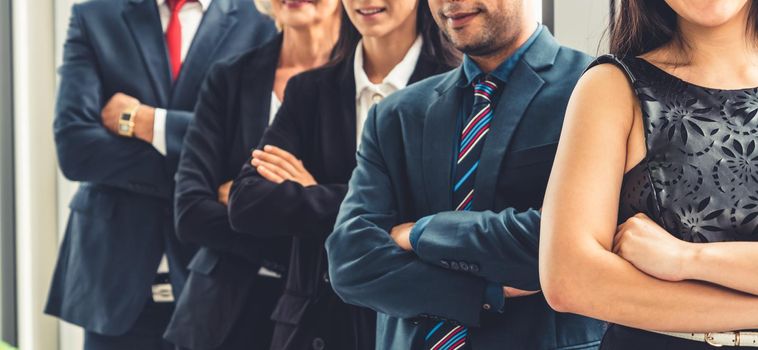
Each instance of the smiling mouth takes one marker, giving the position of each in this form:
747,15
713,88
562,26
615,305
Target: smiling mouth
460,19
297,2
370,11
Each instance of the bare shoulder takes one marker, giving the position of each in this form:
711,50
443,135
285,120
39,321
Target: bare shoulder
604,94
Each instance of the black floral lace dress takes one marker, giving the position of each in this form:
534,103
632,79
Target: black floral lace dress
699,179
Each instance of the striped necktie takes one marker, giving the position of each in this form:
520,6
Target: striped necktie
445,335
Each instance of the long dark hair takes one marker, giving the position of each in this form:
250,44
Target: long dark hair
436,44
640,26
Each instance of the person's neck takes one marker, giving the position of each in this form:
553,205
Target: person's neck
308,47
727,50
382,54
488,63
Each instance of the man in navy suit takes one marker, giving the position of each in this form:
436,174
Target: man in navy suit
131,73
439,231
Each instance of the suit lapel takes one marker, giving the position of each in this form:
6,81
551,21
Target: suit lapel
258,80
144,22
347,106
438,143
524,84
519,91
217,22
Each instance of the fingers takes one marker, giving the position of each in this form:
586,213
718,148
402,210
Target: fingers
269,175
515,293
281,162
283,154
273,168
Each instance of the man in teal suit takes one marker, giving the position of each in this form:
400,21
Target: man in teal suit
439,232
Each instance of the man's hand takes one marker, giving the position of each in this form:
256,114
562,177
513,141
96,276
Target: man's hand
223,193
516,293
401,234
143,118
278,165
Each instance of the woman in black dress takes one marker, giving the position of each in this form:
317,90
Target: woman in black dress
295,182
235,279
651,215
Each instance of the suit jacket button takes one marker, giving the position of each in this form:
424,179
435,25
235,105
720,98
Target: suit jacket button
445,264
464,266
318,344
474,268
454,265
325,277
487,307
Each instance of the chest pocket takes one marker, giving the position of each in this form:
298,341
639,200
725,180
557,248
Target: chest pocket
531,156
524,176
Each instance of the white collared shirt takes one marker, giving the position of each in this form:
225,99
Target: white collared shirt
367,93
190,16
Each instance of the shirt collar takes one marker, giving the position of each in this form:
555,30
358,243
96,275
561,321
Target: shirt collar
203,3
472,72
398,77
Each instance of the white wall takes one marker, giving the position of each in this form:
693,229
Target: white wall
580,24
35,169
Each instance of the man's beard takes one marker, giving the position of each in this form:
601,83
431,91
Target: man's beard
498,33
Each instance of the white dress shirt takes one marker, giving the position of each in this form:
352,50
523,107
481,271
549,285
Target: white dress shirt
367,93
190,16
275,105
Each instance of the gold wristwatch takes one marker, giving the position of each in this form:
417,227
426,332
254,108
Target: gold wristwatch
126,122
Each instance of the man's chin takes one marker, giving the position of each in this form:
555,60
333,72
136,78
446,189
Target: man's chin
473,48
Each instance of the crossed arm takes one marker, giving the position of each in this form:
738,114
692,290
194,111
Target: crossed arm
85,127
371,268
579,271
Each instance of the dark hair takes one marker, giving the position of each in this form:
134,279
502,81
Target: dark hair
640,26
436,44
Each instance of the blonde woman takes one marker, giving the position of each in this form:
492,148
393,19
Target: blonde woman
236,279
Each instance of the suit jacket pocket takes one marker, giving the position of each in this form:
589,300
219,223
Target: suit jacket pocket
532,155
93,201
290,309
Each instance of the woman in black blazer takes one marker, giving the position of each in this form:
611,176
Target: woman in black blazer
293,185
236,279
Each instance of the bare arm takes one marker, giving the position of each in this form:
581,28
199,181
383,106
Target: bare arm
709,262
579,273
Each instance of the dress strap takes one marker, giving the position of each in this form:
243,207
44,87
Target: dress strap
618,62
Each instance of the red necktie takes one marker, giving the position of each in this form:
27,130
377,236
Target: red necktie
174,36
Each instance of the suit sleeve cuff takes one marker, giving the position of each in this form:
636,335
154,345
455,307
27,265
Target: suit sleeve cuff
494,297
159,131
417,230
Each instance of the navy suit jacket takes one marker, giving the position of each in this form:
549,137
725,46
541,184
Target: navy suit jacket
403,175
121,216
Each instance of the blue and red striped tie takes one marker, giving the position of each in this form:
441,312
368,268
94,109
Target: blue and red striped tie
445,335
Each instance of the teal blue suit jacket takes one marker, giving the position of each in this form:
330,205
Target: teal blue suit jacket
403,174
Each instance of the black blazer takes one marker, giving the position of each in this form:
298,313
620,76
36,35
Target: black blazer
317,123
121,216
230,118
